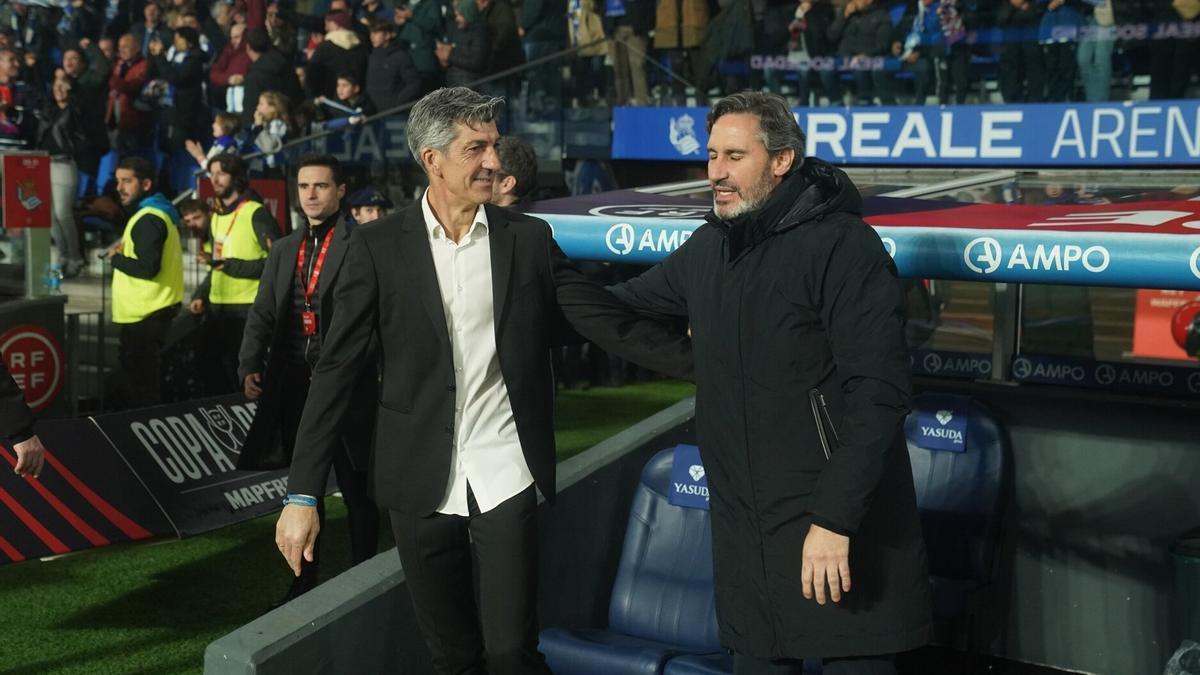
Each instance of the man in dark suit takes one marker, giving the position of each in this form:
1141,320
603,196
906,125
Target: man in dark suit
16,427
285,331
465,299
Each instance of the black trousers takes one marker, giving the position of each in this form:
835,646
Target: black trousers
493,631
219,350
858,665
1022,73
139,352
361,513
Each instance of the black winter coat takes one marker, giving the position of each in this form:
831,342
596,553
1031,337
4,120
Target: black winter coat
868,31
341,52
800,295
469,59
271,72
392,79
187,118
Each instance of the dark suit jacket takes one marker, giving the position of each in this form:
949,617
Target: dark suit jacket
389,289
16,421
264,349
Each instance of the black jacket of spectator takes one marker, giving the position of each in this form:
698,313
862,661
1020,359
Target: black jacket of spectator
139,36
90,92
16,422
817,20
472,49
271,72
1018,25
392,79
502,31
185,120
60,130
341,52
83,22
543,20
640,15
867,32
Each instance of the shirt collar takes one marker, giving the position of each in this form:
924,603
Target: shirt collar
434,229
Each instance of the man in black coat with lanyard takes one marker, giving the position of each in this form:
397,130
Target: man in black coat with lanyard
285,334
465,301
802,387
16,427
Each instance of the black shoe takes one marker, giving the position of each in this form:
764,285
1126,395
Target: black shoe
300,585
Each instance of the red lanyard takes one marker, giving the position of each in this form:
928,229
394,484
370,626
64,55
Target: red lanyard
316,271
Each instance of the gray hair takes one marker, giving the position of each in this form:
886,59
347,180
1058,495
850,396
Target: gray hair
778,128
431,121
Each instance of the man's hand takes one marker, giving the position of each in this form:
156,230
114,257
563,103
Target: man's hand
826,559
252,386
897,48
30,457
196,306
236,80
296,533
912,57
115,248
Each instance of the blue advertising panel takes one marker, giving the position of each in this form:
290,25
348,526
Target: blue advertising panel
1164,133
1133,378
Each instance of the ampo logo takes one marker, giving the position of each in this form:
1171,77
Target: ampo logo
933,362
669,211
1193,382
1022,368
982,255
1106,374
890,245
1195,261
620,238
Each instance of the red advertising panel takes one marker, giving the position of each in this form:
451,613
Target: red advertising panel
36,362
26,191
1152,323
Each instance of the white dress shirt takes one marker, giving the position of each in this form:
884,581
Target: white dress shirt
486,451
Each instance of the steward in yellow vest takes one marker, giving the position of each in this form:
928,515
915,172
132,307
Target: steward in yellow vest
147,284
241,230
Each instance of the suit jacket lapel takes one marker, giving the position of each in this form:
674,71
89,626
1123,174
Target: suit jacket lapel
414,249
502,244
333,261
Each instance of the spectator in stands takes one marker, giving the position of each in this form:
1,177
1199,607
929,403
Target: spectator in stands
282,32
1173,60
61,134
420,24
32,30
516,179
465,52
88,75
499,419
392,80
505,39
285,337
269,71
787,509
1022,66
934,49
187,117
1059,35
372,9
368,205
629,23
147,284
79,22
16,427
149,29
585,30
228,72
351,107
18,101
272,125
209,47
129,127
241,232
808,40
543,32
1095,51
680,28
863,32
340,52
225,128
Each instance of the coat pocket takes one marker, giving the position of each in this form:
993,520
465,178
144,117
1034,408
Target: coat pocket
826,431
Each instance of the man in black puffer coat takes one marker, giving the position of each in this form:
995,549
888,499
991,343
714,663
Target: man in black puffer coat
802,382
392,79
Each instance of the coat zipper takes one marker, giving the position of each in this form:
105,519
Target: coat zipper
822,419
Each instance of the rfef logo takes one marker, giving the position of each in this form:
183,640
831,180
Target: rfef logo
35,361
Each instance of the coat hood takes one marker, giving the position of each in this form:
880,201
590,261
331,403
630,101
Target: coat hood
160,202
346,39
809,193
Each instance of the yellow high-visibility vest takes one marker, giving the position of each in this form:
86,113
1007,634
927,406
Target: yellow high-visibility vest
134,299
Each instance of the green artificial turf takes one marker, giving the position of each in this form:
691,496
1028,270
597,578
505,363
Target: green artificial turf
154,607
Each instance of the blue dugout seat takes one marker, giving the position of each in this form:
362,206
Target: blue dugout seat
662,599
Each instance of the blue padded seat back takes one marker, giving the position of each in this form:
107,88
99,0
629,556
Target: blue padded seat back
664,585
959,496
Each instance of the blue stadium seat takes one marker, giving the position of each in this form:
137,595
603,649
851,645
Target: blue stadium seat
960,499
720,664
662,599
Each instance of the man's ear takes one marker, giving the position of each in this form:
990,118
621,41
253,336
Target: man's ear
508,186
783,162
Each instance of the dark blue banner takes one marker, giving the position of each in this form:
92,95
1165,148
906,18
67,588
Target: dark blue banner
1164,133
1131,378
939,363
942,422
689,486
